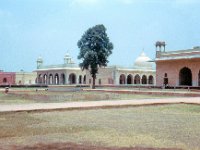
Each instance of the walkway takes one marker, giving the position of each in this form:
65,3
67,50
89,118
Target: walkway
95,104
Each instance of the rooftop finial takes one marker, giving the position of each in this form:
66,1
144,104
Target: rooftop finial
160,44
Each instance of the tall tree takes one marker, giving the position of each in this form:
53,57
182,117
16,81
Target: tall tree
95,48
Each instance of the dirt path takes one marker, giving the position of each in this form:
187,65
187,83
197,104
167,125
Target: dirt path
95,104
73,146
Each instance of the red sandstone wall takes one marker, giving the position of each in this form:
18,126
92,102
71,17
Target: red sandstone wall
173,67
9,76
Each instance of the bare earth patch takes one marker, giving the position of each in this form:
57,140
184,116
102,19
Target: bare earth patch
73,146
20,97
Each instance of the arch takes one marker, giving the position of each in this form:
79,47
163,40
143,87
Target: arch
151,80
62,78
56,79
165,80
84,79
80,79
50,79
45,78
122,79
5,80
129,79
72,78
137,79
185,76
144,79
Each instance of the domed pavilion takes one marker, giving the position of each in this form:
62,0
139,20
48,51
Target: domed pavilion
142,73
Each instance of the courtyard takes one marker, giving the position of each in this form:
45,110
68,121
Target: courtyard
99,120
159,126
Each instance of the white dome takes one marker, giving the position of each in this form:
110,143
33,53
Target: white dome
143,62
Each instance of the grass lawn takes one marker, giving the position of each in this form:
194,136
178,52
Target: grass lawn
50,97
165,126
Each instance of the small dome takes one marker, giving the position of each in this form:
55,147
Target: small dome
143,62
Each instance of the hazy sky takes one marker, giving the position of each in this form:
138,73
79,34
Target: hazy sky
50,28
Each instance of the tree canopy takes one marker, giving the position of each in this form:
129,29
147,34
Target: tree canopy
95,48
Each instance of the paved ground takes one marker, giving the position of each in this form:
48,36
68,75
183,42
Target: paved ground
94,104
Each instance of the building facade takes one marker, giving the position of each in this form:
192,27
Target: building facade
17,78
142,73
63,74
25,78
177,68
7,78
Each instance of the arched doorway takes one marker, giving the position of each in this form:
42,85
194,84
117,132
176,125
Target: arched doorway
122,79
185,76
4,80
72,78
50,79
144,79
129,79
151,80
56,79
137,79
45,79
63,81
165,81
84,79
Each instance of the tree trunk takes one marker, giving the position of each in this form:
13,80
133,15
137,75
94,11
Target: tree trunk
93,83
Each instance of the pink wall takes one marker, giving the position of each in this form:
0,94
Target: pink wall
9,77
173,67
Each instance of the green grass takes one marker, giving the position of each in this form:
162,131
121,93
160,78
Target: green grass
49,97
148,126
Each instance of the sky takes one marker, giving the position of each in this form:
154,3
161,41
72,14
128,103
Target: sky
51,28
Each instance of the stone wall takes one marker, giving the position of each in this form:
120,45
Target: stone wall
7,78
25,78
173,67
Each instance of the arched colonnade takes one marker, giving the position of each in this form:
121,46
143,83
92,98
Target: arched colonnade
60,79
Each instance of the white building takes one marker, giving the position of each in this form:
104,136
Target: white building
142,73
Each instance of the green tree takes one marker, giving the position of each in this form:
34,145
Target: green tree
95,48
